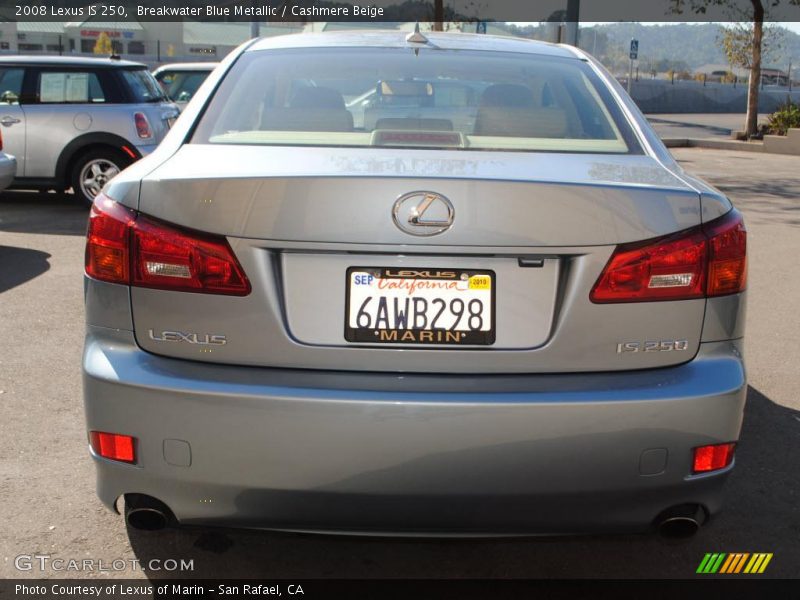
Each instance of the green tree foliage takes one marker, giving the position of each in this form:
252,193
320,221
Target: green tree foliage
786,117
736,41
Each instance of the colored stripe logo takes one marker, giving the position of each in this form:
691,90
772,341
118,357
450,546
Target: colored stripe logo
734,563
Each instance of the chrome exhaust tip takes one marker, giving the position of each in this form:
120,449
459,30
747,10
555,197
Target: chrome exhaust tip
681,522
146,513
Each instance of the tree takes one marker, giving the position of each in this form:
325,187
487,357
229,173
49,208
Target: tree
755,14
736,41
103,44
438,15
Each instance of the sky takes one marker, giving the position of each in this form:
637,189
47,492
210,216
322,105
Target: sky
793,26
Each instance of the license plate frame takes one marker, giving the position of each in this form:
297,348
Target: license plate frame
440,337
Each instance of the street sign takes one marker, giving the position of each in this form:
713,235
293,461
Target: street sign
634,49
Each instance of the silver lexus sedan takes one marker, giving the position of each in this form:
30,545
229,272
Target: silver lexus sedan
497,306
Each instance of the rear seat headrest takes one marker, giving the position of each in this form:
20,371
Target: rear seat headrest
507,94
509,110
316,97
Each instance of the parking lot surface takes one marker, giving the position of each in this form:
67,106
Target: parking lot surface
47,498
699,125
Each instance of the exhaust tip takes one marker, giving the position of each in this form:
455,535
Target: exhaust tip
146,519
681,522
678,528
146,513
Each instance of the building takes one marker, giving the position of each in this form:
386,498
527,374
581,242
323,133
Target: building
149,42
158,42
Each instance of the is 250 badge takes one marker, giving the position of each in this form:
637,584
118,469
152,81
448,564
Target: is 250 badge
652,346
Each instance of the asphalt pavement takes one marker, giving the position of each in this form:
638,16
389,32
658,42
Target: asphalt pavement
47,498
699,126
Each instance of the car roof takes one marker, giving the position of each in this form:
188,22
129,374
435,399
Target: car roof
187,66
70,61
397,39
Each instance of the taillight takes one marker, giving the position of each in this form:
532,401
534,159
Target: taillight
108,241
142,126
709,260
712,458
113,446
122,247
727,255
166,257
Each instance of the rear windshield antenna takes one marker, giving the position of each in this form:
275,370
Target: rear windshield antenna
416,37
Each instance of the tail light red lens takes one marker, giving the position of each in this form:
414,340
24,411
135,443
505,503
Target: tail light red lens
142,126
169,258
709,260
727,262
712,458
107,241
122,247
113,446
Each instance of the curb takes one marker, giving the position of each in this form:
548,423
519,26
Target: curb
714,144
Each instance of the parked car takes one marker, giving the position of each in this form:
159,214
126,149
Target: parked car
77,122
529,325
8,167
455,101
180,81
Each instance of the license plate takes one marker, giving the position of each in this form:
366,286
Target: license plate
387,305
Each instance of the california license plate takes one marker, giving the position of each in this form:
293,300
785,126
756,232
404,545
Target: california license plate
387,305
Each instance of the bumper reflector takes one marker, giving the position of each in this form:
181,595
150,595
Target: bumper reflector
712,458
113,446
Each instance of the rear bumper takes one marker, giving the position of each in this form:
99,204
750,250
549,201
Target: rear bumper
8,170
373,453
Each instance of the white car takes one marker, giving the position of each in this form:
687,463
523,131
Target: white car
180,81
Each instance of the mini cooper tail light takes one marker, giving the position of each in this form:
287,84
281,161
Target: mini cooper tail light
709,260
122,247
113,446
142,126
166,257
712,458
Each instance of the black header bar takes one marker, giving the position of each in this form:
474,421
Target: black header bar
377,11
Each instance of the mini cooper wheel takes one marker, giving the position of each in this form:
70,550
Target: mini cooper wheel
93,170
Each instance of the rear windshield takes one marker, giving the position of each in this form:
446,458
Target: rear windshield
143,85
428,98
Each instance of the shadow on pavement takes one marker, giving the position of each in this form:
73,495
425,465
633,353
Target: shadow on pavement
42,212
762,514
770,203
18,265
714,129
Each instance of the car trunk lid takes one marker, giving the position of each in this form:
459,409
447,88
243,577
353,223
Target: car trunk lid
299,219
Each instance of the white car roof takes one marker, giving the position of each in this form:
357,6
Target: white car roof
188,66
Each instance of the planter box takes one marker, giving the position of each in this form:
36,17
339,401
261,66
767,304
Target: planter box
783,144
